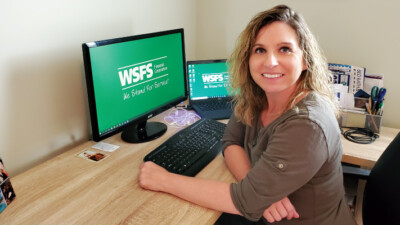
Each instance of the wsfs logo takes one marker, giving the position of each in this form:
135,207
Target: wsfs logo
135,74
213,78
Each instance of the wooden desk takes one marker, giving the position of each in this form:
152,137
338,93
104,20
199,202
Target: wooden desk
71,190
365,155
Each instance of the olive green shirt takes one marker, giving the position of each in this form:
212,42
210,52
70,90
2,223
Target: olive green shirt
297,155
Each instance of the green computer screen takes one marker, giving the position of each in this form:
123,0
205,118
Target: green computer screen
208,80
132,78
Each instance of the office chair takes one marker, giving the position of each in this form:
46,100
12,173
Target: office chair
381,201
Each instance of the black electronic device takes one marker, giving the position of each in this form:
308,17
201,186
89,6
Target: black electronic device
209,87
131,79
191,149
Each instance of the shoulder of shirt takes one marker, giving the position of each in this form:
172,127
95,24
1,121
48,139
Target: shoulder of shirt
313,108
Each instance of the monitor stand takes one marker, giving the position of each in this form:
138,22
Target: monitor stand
143,132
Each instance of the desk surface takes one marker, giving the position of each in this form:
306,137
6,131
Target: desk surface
71,190
365,155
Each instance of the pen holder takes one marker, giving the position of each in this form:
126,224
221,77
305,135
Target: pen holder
362,120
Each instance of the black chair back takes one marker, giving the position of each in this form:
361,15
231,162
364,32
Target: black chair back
381,201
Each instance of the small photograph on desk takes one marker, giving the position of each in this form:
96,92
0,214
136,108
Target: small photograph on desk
3,172
8,191
92,155
3,203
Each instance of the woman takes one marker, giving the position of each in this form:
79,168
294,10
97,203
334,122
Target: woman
283,141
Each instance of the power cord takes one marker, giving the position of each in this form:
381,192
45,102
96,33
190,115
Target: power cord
359,135
188,107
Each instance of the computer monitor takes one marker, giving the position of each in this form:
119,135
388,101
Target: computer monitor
131,79
208,79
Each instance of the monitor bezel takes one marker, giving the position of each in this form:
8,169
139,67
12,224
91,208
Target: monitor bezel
144,116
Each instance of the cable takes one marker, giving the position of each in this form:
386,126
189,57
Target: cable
188,107
359,135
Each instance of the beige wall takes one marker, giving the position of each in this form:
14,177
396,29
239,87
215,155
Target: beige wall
356,32
42,90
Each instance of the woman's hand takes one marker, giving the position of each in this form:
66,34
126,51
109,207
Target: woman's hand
279,210
152,176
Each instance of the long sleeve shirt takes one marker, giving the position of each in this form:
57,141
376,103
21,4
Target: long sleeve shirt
297,155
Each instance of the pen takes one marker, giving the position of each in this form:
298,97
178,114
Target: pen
369,105
369,111
381,95
378,108
374,97
380,111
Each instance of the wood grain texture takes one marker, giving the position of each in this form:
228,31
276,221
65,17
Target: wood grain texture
70,190
365,155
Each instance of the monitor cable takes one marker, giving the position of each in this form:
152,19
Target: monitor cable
188,107
359,135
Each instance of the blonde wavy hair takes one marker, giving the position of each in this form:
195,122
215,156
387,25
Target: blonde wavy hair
250,98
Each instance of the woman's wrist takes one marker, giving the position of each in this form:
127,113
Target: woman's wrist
166,182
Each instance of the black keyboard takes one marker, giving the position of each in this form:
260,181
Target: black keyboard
213,105
191,149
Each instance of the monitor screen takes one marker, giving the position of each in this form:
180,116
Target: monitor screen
132,79
208,79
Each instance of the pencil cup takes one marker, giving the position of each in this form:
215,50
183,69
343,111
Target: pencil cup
362,120
373,122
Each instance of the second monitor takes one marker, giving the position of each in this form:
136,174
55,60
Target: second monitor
209,88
